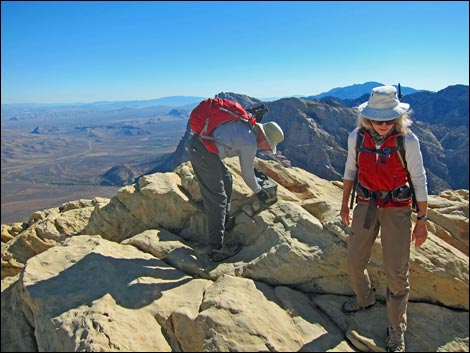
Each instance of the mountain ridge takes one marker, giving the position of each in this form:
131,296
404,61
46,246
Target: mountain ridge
316,133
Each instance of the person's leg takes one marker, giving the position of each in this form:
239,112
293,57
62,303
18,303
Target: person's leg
210,172
396,240
360,243
228,184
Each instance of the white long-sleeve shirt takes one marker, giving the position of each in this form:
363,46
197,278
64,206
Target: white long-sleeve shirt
238,139
414,161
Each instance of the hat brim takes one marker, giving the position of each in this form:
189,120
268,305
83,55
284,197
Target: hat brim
270,143
383,114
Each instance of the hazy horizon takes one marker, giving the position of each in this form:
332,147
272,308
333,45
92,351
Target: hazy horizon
73,52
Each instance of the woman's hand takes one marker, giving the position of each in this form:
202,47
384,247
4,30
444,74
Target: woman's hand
344,214
420,233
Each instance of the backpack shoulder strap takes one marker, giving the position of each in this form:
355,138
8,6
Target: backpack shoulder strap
359,143
400,143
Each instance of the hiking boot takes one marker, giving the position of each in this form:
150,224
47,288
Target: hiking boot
350,306
229,222
225,252
395,341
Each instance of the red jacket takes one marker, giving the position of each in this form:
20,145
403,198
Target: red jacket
381,171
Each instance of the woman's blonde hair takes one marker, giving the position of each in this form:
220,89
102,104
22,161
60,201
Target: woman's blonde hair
402,123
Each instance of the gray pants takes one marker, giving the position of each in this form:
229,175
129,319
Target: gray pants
395,235
215,183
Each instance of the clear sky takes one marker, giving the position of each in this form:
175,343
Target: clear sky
86,51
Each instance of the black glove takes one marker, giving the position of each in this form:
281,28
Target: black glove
262,195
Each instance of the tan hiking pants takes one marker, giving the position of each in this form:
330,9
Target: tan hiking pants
395,235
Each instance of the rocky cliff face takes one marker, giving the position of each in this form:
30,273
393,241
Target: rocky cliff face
447,107
131,273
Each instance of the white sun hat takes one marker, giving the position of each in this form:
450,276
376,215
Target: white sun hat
383,104
273,133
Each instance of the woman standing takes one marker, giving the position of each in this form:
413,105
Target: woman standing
384,204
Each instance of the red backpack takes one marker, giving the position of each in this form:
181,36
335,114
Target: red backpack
213,112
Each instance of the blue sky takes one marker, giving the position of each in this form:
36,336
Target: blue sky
86,51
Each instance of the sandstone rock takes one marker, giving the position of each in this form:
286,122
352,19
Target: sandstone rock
132,273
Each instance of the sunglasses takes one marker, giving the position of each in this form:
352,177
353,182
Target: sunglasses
378,122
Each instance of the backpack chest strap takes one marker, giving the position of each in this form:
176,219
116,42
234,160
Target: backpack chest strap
385,152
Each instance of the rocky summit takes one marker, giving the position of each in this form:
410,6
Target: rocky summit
131,273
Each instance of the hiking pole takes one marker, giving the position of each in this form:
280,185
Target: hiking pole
400,96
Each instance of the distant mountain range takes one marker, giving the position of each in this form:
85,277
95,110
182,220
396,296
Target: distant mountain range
313,140
30,115
358,90
349,92
170,101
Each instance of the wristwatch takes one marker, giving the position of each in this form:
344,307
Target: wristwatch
422,218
